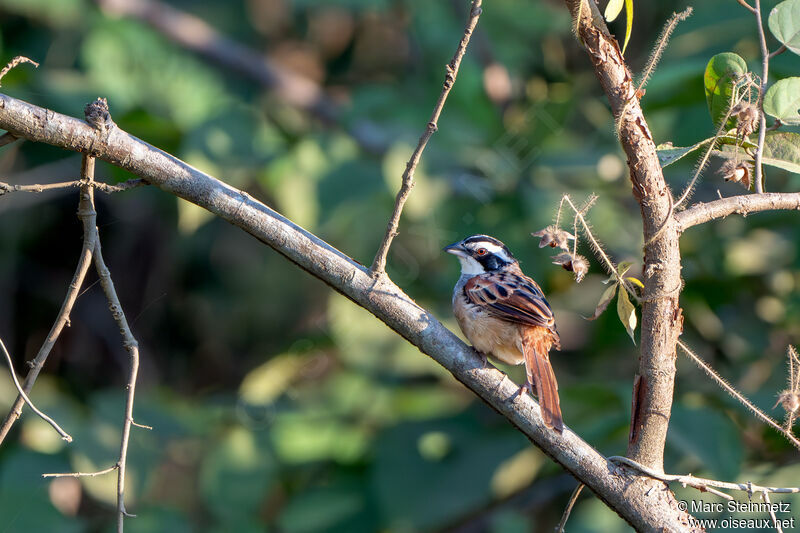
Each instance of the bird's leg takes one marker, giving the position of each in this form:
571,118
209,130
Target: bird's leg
525,387
484,359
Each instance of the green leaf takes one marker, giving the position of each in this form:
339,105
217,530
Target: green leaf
628,23
605,299
627,313
669,154
784,23
782,101
613,9
721,72
782,150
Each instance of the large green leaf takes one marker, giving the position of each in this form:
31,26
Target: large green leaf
784,23
782,150
721,73
782,100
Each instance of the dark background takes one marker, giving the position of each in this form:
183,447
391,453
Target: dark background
277,404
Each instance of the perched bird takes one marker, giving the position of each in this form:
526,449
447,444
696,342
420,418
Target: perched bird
504,315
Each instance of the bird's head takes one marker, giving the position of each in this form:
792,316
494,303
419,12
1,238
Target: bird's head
480,254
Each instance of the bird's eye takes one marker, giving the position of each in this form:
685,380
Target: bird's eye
480,252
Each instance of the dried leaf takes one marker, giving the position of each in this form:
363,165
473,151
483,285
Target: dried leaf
605,299
554,237
627,313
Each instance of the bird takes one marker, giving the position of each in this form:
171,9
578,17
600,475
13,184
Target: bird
504,315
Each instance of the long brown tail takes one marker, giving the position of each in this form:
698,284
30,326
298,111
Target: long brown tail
537,343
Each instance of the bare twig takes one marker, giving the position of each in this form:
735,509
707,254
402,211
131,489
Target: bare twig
741,398
747,6
762,118
53,423
700,483
14,63
778,52
570,504
645,510
107,188
765,496
742,204
88,217
379,263
132,347
83,474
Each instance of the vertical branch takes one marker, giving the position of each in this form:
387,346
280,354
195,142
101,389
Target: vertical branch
379,263
762,119
88,217
132,347
661,315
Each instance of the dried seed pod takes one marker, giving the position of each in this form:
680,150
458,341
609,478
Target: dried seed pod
577,264
737,171
746,118
790,401
554,237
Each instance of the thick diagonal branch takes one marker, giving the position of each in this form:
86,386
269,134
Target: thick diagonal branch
645,510
661,315
379,263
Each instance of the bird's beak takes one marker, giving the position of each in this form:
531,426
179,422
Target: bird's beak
456,249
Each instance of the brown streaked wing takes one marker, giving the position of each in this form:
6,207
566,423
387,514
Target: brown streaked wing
511,297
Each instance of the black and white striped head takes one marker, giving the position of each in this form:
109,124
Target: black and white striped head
480,254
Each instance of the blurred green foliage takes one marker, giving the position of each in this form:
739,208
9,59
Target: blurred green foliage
278,405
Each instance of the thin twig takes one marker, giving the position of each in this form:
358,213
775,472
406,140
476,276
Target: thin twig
747,6
762,118
778,52
379,263
6,188
132,347
741,398
655,57
570,505
15,62
765,496
64,434
83,474
88,217
702,484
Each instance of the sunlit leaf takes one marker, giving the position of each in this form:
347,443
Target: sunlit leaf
628,23
635,281
784,23
627,313
782,150
605,299
721,72
782,100
613,9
